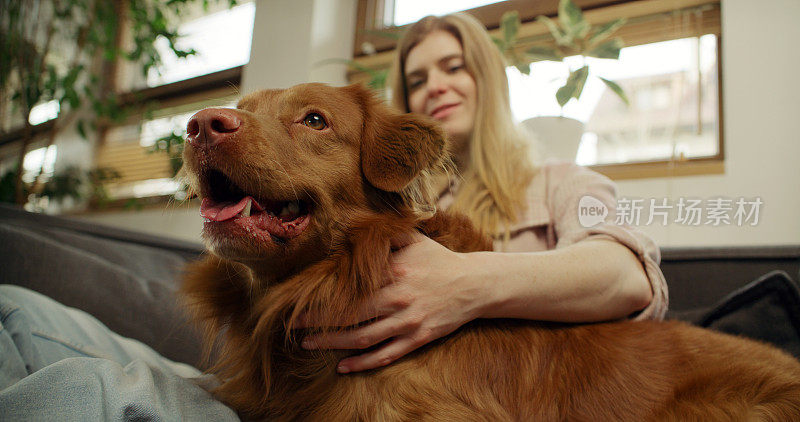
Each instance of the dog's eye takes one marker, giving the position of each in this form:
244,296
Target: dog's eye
315,121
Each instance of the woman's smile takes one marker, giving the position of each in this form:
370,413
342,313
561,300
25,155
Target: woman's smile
443,111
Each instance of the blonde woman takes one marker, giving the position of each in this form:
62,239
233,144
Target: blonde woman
551,268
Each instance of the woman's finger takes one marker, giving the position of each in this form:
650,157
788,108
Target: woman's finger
385,302
381,357
359,338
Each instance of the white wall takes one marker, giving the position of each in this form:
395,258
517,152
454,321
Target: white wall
761,112
291,37
761,107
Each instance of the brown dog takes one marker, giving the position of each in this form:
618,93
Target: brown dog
302,191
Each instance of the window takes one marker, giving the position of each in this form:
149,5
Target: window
44,112
221,39
40,159
672,89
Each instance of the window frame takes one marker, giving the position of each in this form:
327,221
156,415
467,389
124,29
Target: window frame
596,12
370,16
168,96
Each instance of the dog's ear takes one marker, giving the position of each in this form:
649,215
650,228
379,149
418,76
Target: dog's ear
395,147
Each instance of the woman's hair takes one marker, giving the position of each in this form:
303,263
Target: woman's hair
500,167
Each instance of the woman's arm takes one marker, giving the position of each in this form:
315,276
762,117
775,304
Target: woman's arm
593,280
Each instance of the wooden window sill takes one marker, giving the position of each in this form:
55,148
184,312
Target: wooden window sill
651,169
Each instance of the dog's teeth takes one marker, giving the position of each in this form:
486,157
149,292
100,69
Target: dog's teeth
291,208
246,210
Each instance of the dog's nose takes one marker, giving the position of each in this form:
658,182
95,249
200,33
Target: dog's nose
212,126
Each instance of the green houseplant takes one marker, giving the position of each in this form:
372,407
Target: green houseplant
572,36
68,51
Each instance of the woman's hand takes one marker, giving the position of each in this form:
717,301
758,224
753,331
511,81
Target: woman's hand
432,296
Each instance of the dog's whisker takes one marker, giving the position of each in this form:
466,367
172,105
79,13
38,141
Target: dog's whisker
308,195
392,207
235,88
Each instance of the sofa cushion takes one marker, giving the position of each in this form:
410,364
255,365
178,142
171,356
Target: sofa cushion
766,309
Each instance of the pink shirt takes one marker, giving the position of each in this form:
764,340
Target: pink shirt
551,221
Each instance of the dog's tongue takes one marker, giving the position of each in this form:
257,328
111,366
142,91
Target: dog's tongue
226,210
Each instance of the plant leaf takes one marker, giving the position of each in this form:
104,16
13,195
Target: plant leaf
133,204
378,80
522,64
501,44
536,53
574,86
564,94
604,31
617,90
71,97
579,76
524,68
607,49
560,36
81,129
509,25
572,20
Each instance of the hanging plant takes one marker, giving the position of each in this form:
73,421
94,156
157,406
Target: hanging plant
573,36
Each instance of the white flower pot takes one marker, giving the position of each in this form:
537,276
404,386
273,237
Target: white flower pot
558,136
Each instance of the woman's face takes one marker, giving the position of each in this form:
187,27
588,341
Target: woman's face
440,86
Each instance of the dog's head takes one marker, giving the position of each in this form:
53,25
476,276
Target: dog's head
285,174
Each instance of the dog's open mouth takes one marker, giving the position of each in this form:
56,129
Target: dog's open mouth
224,201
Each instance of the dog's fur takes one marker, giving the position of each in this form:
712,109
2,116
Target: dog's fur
365,180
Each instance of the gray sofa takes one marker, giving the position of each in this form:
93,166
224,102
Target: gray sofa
128,280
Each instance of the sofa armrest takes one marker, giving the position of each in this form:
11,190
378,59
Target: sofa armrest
699,277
